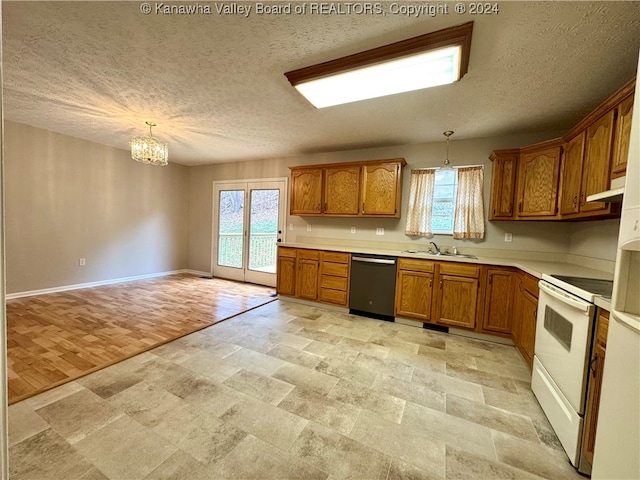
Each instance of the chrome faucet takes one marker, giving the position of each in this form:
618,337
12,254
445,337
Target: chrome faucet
435,246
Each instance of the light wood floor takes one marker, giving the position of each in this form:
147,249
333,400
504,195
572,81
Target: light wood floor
58,337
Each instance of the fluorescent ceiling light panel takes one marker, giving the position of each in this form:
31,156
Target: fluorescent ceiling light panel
416,72
429,60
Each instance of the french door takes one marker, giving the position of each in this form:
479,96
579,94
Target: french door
248,223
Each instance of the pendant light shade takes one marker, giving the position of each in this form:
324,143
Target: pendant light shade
149,150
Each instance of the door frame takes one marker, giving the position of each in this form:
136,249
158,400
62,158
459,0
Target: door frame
242,184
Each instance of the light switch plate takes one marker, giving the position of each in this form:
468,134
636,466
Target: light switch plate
353,229
379,231
308,227
291,226
508,237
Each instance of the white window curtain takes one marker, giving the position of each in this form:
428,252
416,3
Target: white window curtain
420,203
469,217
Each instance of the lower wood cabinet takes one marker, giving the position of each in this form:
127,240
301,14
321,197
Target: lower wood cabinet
499,300
335,269
457,295
596,369
414,289
286,276
525,316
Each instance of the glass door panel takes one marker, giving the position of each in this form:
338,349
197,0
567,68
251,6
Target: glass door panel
263,230
231,228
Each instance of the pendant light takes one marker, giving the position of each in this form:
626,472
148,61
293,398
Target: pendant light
149,150
446,165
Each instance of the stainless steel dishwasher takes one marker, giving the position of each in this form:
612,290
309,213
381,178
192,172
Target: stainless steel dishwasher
373,286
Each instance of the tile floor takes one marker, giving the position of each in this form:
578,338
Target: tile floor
288,391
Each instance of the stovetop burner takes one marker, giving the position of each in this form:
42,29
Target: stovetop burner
596,286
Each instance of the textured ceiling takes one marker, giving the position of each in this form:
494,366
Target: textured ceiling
214,83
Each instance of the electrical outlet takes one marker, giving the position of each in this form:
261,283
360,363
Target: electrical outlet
353,229
308,227
82,262
508,237
291,226
379,231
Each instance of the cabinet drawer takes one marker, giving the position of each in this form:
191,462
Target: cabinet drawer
603,326
336,283
308,254
337,297
415,265
336,257
530,284
287,252
459,270
337,269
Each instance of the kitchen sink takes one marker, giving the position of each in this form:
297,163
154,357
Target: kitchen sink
440,254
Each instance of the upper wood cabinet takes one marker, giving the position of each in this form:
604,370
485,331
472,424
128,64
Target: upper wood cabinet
342,190
597,161
571,175
503,184
555,178
538,174
306,191
357,189
381,189
621,138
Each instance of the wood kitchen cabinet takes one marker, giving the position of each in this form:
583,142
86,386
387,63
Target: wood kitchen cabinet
503,184
334,278
306,191
597,162
538,175
622,135
381,187
457,295
414,288
286,278
525,316
498,307
572,175
342,190
307,269
356,189
596,370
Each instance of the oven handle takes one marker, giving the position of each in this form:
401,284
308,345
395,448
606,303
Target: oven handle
564,297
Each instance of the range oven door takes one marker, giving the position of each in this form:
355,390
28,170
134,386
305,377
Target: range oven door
563,341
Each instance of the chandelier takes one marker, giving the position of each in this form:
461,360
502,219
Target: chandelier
148,149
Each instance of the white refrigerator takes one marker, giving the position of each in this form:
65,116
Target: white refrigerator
617,447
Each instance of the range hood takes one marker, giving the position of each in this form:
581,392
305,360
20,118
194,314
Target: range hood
614,194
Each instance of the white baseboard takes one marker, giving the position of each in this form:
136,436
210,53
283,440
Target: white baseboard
77,286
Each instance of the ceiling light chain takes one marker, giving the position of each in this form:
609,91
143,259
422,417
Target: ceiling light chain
148,149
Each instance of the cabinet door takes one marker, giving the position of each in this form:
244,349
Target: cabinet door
528,335
516,332
306,191
597,162
286,283
457,301
380,189
596,369
571,177
307,277
342,190
503,186
413,294
498,313
621,138
538,174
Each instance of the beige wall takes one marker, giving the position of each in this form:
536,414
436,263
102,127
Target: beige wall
68,198
529,236
595,239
